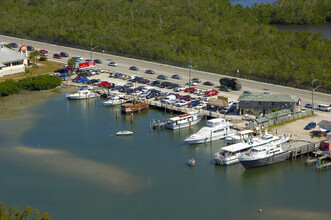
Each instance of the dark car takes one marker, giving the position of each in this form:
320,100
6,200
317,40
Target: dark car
162,77
197,80
134,68
247,93
30,48
208,83
156,83
43,53
128,85
225,88
176,76
14,45
64,54
58,56
311,125
151,95
150,71
98,61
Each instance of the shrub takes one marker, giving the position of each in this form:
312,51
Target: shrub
8,87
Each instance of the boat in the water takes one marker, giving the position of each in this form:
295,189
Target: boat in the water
113,100
134,107
239,136
191,162
183,121
124,133
230,154
266,154
82,94
215,129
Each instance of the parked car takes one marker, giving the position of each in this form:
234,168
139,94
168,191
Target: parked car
179,88
43,53
58,56
30,48
150,71
208,83
181,103
211,92
189,89
225,88
162,77
176,76
311,125
113,64
246,93
105,84
324,107
309,105
191,83
64,54
128,85
187,98
134,68
197,80
14,45
98,61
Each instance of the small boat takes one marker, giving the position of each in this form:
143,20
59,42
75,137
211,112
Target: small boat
183,121
124,133
113,100
82,94
215,129
191,162
134,107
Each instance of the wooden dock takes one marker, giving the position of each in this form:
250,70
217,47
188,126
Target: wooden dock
322,160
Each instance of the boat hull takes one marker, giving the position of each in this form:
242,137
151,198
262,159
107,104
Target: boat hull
265,161
206,139
184,125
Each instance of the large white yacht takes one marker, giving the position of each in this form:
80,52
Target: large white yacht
215,129
239,136
230,154
82,94
267,154
183,121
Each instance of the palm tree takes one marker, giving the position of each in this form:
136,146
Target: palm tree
33,55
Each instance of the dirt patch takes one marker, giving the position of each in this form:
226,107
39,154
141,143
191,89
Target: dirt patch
10,105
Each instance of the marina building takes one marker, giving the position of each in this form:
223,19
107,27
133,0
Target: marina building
11,61
262,104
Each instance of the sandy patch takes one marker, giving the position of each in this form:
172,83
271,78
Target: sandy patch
11,105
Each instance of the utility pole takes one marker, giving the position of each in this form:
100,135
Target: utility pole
189,71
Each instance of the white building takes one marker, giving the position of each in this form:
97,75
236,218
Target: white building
11,61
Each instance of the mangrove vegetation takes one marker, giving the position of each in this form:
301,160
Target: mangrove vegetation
211,34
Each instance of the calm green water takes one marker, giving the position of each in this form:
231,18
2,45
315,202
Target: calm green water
64,159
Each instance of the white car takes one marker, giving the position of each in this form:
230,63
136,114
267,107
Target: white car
181,103
179,89
324,107
201,105
113,64
191,83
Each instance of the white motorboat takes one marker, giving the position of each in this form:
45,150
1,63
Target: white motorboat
266,154
230,154
215,129
239,136
124,133
82,94
113,100
183,121
191,162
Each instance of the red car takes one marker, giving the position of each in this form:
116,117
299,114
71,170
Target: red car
211,92
105,84
44,51
189,89
187,98
58,56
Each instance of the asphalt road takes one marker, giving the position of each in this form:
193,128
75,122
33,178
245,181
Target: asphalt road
124,64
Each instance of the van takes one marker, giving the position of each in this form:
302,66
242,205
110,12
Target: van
169,98
324,107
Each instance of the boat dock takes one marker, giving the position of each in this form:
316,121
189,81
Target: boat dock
322,160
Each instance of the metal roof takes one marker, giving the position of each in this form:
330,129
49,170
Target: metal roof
280,113
325,124
7,55
268,98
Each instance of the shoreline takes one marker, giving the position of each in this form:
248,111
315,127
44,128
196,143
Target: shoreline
10,106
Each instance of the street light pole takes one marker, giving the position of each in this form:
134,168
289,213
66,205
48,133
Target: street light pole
93,48
189,71
312,92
